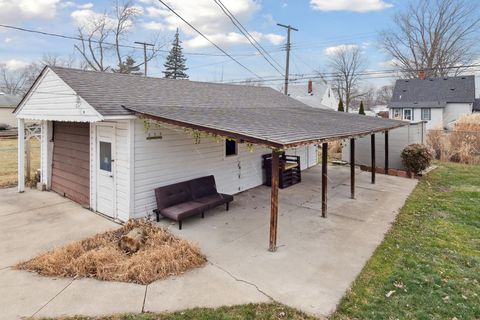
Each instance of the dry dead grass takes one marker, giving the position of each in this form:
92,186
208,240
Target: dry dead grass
462,144
100,257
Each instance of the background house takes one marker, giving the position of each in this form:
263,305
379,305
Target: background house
317,94
8,103
438,101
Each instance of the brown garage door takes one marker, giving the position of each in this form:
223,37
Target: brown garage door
71,157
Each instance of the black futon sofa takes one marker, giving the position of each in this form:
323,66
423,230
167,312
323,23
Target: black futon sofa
185,199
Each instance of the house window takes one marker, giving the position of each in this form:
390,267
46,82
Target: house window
407,114
230,148
397,113
426,114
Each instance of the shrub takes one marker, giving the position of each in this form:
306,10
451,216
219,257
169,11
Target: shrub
416,158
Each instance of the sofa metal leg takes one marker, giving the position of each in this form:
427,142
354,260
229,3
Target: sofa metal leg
203,215
228,206
180,225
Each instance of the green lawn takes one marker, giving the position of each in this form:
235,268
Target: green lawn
243,312
430,260
428,266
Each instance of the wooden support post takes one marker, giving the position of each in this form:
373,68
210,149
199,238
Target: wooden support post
21,155
386,153
373,158
28,159
352,168
274,202
324,178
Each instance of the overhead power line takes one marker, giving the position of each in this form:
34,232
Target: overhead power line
377,74
248,36
206,38
76,38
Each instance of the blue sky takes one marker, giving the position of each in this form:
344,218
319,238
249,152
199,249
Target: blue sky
322,24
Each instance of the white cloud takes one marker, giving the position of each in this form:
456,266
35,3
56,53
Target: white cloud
152,25
87,19
14,10
14,64
7,40
274,39
207,17
332,50
85,6
350,5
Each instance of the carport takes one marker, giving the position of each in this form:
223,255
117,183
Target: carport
280,129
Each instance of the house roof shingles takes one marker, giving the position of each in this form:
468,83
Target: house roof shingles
260,113
433,92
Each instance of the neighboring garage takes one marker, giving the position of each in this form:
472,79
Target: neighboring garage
70,163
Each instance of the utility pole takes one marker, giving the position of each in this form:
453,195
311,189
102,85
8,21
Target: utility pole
288,46
145,54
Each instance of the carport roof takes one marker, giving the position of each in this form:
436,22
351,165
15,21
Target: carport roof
254,114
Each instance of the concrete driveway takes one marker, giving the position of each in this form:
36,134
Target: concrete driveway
316,261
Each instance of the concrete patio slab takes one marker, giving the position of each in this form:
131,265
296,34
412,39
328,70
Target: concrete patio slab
91,297
205,287
317,259
42,221
22,294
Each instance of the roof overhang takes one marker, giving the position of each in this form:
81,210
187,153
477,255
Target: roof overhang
251,136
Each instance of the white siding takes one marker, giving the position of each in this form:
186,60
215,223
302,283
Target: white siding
121,171
53,99
176,158
397,140
453,111
7,117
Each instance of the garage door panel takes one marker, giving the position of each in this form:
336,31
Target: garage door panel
70,165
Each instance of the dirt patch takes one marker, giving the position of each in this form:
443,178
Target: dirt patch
100,257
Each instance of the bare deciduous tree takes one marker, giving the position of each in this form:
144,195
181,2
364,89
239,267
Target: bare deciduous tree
347,63
17,81
101,39
436,36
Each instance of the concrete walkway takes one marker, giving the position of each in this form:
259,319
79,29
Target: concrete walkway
316,261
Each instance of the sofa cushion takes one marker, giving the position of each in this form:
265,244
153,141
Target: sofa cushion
171,195
202,187
183,210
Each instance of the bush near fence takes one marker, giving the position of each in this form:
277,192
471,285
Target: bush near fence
460,144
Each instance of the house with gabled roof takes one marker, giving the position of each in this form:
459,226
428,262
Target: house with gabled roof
316,94
438,101
108,139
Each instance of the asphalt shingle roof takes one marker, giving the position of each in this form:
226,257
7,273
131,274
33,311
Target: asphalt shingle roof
433,92
260,113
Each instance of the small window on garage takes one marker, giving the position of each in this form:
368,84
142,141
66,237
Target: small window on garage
426,114
230,148
106,156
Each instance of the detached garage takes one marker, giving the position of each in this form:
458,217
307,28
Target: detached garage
109,139
71,161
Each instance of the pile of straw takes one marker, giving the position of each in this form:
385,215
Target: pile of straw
100,257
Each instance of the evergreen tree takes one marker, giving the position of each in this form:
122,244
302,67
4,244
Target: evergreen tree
175,65
340,106
361,110
128,66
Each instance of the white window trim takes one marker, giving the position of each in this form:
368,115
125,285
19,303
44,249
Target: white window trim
429,114
411,114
